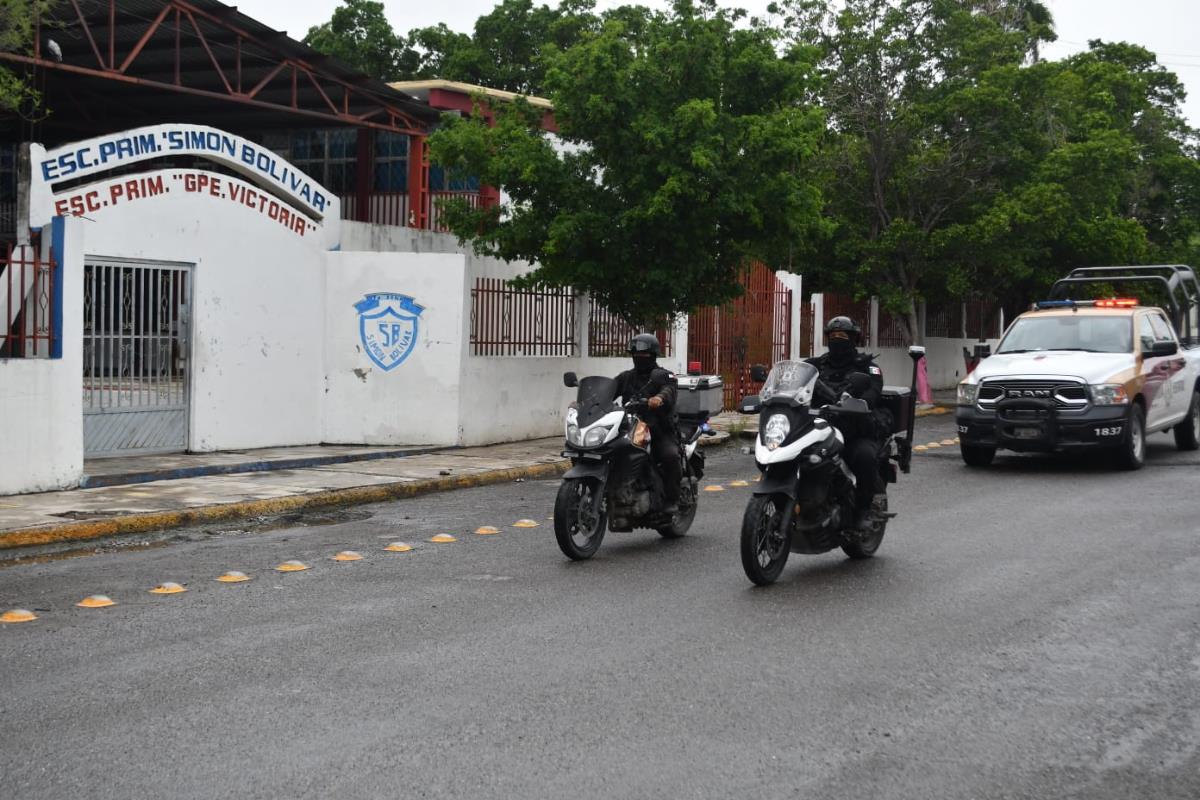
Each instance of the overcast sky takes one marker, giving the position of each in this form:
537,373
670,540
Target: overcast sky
1167,27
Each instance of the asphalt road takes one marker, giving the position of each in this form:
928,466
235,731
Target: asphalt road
1028,631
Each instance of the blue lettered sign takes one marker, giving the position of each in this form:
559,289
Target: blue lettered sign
389,325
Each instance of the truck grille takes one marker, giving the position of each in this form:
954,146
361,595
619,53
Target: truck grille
1067,395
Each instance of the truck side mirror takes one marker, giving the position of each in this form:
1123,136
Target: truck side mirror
1161,349
570,380
983,350
758,373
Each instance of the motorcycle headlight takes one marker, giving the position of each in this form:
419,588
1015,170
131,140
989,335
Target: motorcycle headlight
595,436
1109,394
776,430
967,392
573,434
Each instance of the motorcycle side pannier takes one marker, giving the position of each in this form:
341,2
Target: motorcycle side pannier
698,395
898,400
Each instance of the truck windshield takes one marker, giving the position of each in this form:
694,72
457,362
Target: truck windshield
1076,332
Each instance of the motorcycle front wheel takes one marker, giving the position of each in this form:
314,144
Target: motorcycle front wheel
765,548
579,518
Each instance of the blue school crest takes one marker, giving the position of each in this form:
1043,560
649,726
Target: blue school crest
389,325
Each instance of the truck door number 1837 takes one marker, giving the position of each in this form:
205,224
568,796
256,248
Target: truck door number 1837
1113,431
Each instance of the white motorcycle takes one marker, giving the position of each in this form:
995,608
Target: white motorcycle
804,501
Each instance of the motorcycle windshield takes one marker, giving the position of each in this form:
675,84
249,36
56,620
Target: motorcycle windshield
790,380
595,398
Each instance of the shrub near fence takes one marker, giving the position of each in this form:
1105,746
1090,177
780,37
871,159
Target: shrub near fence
521,322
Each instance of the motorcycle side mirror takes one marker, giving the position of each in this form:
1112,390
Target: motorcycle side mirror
570,380
916,352
751,404
758,373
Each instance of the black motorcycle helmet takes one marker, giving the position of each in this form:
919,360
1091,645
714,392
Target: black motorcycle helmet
644,349
844,324
644,343
842,335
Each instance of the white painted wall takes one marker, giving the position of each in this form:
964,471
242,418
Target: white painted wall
945,363
417,401
41,411
258,321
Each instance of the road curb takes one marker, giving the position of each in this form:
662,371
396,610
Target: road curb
355,495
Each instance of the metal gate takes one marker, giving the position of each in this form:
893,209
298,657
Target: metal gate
136,344
755,328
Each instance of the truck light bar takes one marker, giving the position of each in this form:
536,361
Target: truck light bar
1057,304
1112,302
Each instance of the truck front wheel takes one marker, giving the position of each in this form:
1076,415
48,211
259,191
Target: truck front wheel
1187,433
1132,454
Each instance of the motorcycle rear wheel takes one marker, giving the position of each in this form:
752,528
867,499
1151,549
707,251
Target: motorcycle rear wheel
580,518
683,518
866,547
764,547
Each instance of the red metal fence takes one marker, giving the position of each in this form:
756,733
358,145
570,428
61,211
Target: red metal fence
521,322
753,329
393,208
28,303
609,335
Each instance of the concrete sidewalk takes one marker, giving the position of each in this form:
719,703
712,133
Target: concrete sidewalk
161,492
149,493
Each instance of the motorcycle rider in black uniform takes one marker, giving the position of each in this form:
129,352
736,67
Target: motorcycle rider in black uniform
647,381
844,369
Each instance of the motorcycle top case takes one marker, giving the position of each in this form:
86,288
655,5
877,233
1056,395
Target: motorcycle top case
898,400
699,394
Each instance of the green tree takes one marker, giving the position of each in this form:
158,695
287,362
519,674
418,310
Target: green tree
360,36
17,18
510,46
686,149
924,132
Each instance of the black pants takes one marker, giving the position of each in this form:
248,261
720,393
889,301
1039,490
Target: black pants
861,456
664,448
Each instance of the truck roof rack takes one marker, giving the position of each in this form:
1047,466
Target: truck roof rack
1178,280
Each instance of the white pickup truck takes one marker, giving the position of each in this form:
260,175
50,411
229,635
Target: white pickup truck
1075,374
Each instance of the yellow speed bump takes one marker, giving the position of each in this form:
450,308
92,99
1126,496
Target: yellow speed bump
738,484
920,448
348,555
170,587
442,538
932,446
18,615
714,488
949,442
292,566
525,523
398,547
486,530
96,601
233,576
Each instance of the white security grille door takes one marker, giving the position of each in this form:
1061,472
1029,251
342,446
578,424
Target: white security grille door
136,345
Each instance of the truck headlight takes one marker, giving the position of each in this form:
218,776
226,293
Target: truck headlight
967,392
1109,394
777,428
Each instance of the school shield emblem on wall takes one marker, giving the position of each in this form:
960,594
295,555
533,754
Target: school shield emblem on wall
389,325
